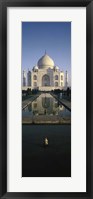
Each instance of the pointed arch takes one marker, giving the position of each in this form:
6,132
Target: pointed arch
45,80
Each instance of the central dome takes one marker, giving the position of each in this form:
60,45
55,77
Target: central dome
45,62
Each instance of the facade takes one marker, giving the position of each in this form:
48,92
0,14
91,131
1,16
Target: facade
45,76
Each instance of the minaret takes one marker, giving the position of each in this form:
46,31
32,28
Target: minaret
29,78
66,79
24,78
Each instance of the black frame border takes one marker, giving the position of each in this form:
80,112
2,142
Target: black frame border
3,99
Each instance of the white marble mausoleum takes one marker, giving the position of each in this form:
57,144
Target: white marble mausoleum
45,76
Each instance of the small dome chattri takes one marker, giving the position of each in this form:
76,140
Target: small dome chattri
56,67
35,68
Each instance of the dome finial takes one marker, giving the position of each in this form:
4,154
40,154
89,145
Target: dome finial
45,52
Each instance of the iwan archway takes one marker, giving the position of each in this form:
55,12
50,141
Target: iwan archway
45,80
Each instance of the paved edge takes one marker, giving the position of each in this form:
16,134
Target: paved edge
29,102
61,102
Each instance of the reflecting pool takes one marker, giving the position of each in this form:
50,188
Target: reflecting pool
55,159
46,109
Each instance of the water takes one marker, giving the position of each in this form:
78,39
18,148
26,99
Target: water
46,108
51,161
55,159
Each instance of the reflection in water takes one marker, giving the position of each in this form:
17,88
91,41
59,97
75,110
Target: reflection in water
46,104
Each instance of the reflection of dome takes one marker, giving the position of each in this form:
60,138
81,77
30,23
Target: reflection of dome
45,102
45,62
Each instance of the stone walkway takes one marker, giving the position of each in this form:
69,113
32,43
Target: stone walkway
65,102
46,119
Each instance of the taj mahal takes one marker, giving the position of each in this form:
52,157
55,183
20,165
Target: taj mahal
45,76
